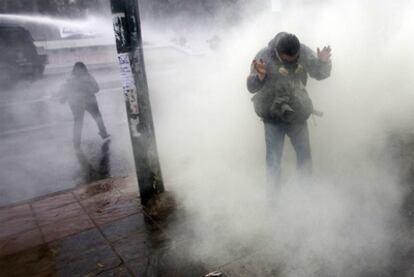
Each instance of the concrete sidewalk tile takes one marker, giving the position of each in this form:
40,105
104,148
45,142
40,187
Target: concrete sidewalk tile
166,262
103,197
117,272
53,202
122,228
65,227
140,245
100,187
7,213
89,263
21,241
36,261
77,243
143,267
110,206
49,216
130,187
15,220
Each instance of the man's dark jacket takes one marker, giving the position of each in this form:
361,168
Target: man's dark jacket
284,89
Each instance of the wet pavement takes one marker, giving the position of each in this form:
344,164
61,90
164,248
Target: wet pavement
100,229
96,229
37,155
43,162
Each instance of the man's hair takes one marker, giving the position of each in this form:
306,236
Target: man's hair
288,44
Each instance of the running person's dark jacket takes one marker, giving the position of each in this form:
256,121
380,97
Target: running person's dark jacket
79,91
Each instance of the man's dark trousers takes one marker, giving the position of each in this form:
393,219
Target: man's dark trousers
275,137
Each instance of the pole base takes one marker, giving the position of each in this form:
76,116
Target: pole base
161,205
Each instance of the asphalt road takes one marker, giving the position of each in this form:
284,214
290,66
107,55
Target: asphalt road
36,151
37,155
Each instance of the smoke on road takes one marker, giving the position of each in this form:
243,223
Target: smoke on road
212,144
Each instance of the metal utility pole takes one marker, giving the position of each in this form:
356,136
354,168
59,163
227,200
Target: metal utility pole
127,27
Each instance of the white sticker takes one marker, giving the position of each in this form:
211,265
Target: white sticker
127,78
128,83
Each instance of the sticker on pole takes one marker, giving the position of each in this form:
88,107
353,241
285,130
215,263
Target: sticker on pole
128,83
133,102
127,78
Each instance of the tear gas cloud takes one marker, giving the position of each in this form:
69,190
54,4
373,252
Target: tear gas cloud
211,143
212,149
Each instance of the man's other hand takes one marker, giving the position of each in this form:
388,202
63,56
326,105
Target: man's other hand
260,68
325,54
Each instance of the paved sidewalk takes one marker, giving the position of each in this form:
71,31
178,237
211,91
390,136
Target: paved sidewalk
100,229
97,229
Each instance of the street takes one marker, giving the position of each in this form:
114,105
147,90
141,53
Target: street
37,152
36,133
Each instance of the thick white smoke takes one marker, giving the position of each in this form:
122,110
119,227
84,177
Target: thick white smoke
212,148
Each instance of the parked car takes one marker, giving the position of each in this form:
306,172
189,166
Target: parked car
19,58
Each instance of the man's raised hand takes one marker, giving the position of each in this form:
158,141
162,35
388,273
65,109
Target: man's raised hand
325,54
260,68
